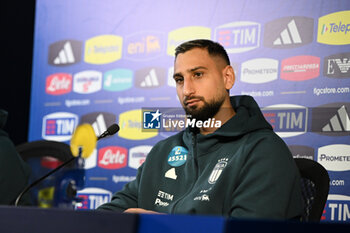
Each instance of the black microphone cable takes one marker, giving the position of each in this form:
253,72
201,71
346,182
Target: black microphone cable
110,131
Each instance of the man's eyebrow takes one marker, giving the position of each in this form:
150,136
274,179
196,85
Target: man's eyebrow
179,74
197,68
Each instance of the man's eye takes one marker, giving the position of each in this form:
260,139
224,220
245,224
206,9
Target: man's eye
198,74
179,80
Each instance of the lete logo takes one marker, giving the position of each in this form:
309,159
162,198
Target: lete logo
112,157
334,157
58,84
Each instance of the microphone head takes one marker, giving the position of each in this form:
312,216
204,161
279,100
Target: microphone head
84,137
113,129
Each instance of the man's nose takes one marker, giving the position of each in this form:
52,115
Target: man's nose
188,88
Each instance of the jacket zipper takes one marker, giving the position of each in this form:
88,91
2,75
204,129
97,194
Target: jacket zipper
195,170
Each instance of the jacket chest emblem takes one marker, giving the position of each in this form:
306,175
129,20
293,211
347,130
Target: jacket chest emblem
177,156
219,167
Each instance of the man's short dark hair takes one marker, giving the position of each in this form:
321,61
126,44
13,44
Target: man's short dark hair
213,48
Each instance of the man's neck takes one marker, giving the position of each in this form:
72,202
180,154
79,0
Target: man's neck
224,114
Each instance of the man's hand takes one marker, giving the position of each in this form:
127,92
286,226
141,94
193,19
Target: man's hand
140,211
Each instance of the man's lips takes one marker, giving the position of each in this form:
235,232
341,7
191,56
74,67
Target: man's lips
191,102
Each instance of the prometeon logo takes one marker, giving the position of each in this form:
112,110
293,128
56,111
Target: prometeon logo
103,49
88,81
260,70
144,45
334,28
337,66
65,52
150,77
58,84
118,80
331,119
178,36
238,37
334,157
300,68
287,120
289,32
59,126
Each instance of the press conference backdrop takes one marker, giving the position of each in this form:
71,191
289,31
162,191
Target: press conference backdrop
101,62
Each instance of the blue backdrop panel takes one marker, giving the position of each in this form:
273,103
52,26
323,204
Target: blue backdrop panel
101,62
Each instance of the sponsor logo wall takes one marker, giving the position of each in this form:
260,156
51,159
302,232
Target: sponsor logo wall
97,66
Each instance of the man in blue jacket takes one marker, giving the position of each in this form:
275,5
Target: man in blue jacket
239,169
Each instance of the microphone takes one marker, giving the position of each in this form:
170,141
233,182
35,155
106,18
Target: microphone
82,144
110,131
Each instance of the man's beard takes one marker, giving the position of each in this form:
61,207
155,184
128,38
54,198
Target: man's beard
208,110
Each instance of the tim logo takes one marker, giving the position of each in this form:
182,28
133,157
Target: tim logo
152,119
65,52
137,155
287,120
334,29
103,49
299,151
334,157
331,119
144,46
300,68
149,78
178,36
99,121
337,66
92,198
58,84
112,157
87,82
261,70
288,32
118,80
337,208
59,126
238,37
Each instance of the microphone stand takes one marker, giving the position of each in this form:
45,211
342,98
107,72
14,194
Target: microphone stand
42,178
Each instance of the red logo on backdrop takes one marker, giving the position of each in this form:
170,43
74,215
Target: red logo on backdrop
112,157
58,84
300,68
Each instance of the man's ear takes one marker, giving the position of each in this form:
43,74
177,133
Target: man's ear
229,77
